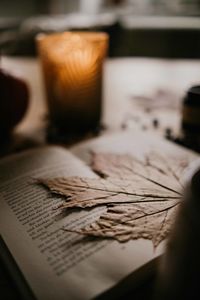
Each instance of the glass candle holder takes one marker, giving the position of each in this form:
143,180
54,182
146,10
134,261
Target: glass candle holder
72,64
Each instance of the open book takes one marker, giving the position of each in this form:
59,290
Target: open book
50,263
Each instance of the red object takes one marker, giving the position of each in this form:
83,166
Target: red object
14,100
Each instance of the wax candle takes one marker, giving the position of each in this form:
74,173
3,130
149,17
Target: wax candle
72,64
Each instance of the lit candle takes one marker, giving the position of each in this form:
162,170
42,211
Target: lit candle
72,64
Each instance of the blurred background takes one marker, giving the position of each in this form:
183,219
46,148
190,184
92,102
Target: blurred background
152,28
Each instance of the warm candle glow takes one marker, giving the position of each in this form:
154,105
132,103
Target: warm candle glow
72,64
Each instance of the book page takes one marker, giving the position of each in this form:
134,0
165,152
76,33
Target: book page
55,263
134,142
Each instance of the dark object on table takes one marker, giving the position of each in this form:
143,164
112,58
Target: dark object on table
155,123
168,133
14,99
179,269
191,118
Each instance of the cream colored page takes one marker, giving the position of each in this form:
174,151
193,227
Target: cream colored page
134,142
58,264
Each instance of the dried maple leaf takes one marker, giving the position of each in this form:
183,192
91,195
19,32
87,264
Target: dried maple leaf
141,196
89,192
155,168
127,221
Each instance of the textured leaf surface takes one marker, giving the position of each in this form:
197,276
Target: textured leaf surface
87,192
141,196
155,168
125,222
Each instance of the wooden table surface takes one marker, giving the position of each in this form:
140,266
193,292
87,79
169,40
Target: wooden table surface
130,86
